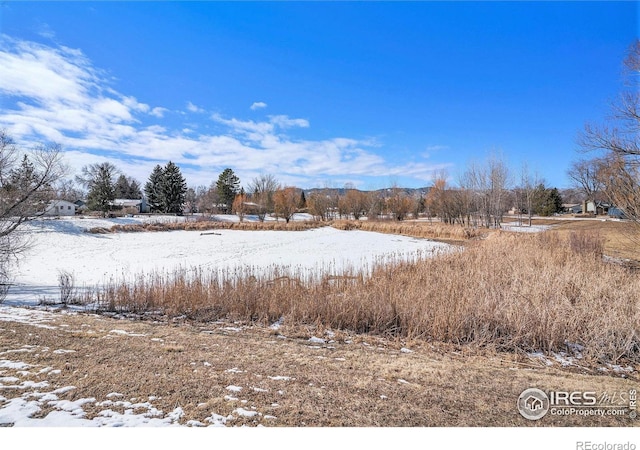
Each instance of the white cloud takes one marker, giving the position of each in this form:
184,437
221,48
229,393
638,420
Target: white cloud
194,109
258,105
158,112
286,122
55,94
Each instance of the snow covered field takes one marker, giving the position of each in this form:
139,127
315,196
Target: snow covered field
94,259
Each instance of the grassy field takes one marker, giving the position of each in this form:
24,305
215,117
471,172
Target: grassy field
353,380
621,239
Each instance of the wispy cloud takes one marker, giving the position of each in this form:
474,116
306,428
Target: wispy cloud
193,108
258,105
56,94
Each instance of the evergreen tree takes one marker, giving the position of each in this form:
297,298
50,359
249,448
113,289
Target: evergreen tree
101,187
127,187
546,201
174,189
303,201
228,187
153,189
134,189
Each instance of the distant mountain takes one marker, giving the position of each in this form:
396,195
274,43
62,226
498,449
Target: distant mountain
417,192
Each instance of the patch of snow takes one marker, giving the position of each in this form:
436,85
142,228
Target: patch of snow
278,324
316,340
280,378
8,379
217,420
126,333
525,229
245,413
233,388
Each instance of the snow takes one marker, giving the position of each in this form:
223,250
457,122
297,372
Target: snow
63,245
233,388
525,228
96,259
31,399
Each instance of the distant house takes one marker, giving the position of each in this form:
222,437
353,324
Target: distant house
131,205
572,208
597,207
81,205
586,207
617,213
60,208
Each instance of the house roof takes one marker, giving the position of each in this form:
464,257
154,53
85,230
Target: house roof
126,202
60,202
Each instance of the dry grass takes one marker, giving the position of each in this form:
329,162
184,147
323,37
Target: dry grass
436,230
510,292
209,225
621,238
354,381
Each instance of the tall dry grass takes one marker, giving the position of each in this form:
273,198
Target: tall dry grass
513,292
414,229
208,225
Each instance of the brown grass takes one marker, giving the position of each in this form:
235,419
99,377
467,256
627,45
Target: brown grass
510,292
437,230
352,381
209,225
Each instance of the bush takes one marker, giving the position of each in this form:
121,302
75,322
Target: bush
66,282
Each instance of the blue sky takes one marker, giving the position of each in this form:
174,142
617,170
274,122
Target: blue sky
316,93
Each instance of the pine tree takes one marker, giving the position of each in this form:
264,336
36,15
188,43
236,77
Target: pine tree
153,189
228,187
101,188
174,189
122,187
303,201
127,187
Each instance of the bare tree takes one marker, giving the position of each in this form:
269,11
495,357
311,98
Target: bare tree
319,203
26,187
355,203
584,174
239,206
261,190
619,141
286,202
399,203
525,192
489,184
